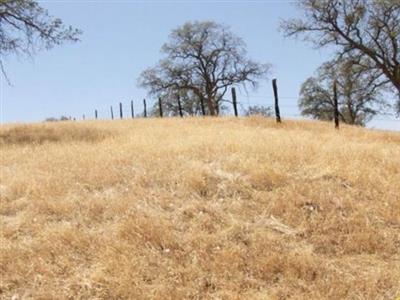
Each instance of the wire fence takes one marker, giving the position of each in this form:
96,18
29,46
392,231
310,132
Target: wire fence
241,106
287,110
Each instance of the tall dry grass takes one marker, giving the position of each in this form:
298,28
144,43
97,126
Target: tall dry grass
199,209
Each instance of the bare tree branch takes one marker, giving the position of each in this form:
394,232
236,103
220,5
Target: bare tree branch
26,27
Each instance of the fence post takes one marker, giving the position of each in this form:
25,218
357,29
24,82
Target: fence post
112,113
180,107
335,103
132,110
160,107
83,117
202,106
277,112
234,101
120,110
95,114
144,108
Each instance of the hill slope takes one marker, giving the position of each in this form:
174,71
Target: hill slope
199,209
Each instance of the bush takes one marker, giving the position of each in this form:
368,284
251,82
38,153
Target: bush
259,110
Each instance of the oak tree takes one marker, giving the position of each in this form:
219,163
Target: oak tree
364,29
204,58
360,93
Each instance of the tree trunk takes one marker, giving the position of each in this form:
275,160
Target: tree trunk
217,108
210,100
352,117
210,104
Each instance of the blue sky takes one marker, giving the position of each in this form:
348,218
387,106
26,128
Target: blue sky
122,38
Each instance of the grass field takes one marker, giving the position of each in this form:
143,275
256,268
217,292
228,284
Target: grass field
199,209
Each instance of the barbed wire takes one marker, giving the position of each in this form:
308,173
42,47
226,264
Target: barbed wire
287,110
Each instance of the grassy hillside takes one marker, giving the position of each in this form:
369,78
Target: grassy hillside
199,209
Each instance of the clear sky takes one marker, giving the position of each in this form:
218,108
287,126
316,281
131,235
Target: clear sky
122,38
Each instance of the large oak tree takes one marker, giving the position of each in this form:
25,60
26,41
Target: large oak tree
367,29
204,58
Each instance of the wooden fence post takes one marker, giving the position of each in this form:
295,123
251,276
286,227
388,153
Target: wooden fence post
95,114
335,104
144,108
234,101
83,117
112,113
120,110
277,112
180,107
160,107
132,110
203,110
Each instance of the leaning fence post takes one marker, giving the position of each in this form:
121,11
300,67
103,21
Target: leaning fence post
160,107
95,114
234,101
112,113
132,110
277,112
335,103
144,108
180,107
120,110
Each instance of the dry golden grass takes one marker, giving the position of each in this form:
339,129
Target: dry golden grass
199,209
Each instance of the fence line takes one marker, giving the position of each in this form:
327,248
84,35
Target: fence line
288,107
244,107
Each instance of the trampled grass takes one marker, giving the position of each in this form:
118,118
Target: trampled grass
199,209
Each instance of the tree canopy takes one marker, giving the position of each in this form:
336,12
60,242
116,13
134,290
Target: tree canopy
368,31
359,93
26,27
204,58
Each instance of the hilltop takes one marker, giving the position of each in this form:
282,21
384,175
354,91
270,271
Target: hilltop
199,208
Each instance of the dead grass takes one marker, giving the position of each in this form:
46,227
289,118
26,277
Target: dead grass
50,133
199,209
